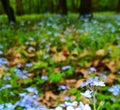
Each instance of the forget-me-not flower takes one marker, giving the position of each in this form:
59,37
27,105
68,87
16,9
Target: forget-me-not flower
87,93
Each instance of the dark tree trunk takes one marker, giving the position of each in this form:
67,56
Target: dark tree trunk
73,7
38,6
30,6
62,7
86,9
8,10
51,6
118,6
19,7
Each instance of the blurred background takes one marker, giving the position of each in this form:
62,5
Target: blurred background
64,7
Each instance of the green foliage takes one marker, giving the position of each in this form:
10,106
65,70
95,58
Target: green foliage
55,77
73,91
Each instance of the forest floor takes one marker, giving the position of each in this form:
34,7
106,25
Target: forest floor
48,57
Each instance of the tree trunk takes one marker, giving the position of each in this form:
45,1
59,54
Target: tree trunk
30,4
85,9
51,6
118,6
8,10
19,7
38,6
73,7
62,7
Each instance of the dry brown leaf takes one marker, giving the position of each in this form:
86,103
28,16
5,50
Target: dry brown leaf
41,52
111,65
84,99
95,63
2,70
49,95
83,71
75,52
33,43
78,83
73,98
57,70
111,78
31,55
31,75
84,53
44,71
100,52
58,57
53,49
66,52
73,58
61,97
70,81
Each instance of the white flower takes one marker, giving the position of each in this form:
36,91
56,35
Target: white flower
75,103
93,69
78,108
58,108
84,107
87,93
98,83
70,108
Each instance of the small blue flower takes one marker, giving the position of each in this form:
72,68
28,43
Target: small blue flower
115,90
31,48
67,98
87,93
19,65
93,69
1,52
1,106
25,72
29,65
1,47
44,77
22,94
31,39
46,56
20,73
7,106
3,61
31,89
118,72
6,78
63,87
28,102
66,67
84,106
6,86
93,82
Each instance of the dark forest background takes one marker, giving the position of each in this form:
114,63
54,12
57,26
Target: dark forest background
54,6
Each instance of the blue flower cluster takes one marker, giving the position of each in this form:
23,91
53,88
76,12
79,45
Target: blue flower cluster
93,82
6,86
21,73
115,90
27,102
3,61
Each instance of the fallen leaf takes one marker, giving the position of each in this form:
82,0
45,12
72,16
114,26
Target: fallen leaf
111,78
100,52
78,83
112,66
